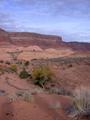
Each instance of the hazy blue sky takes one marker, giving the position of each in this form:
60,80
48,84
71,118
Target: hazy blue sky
68,18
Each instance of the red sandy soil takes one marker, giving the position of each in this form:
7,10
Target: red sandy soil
40,109
77,75
13,79
43,106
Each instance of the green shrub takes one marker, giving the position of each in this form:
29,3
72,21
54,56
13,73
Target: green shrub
13,67
41,75
24,74
81,103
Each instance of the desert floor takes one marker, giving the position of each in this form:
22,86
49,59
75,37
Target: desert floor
20,99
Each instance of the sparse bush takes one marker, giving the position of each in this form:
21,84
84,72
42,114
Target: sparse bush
13,67
24,74
19,93
25,95
41,75
19,62
60,91
26,63
12,98
1,71
1,61
70,65
81,103
7,62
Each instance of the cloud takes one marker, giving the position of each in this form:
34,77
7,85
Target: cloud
78,8
68,17
7,22
74,8
4,17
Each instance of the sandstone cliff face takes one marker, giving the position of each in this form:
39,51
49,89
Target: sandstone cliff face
44,41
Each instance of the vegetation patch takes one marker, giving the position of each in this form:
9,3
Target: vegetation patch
24,74
26,63
13,67
25,95
1,71
81,103
41,75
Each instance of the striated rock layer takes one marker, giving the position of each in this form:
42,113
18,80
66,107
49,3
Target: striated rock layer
43,41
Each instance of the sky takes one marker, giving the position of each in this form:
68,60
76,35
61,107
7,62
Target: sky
67,18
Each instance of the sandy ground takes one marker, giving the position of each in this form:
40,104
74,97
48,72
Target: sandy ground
32,52
78,75
44,107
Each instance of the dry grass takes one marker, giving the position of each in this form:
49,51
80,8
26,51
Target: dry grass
81,103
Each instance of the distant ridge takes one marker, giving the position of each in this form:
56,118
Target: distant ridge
27,38
43,41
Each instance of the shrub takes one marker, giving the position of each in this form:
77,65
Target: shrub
13,67
26,63
25,95
7,62
24,74
60,91
1,61
70,65
81,103
19,62
1,70
41,75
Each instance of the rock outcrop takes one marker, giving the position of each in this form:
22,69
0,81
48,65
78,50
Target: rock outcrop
4,38
43,41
